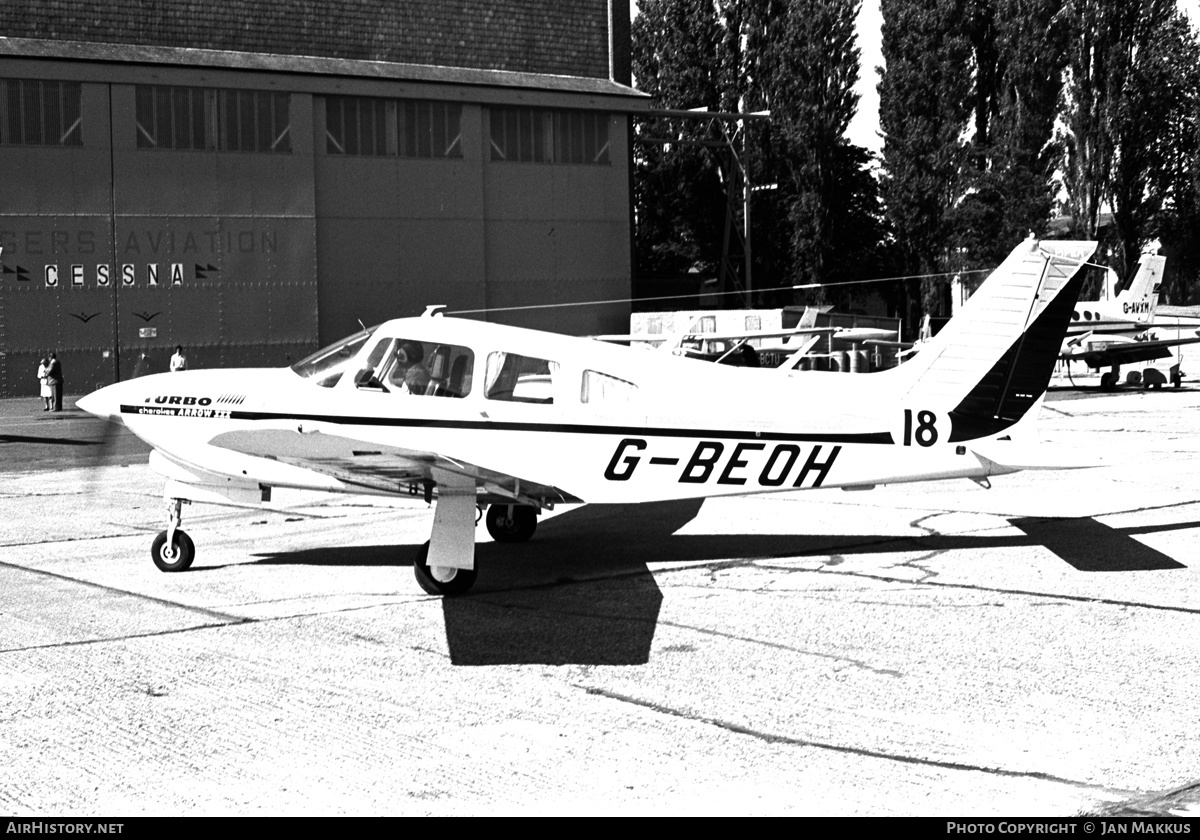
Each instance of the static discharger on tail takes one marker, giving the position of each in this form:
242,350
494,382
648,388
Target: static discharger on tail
468,414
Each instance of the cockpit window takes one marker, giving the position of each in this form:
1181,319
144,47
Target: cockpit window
328,364
371,374
515,378
419,368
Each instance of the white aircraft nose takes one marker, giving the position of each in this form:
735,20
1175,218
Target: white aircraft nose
104,403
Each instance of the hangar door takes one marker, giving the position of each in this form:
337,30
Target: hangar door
137,217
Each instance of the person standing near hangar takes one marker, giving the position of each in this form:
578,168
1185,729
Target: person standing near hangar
46,390
55,373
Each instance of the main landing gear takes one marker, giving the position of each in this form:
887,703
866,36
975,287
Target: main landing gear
173,550
441,580
1110,380
454,526
511,523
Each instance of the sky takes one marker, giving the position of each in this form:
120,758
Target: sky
864,128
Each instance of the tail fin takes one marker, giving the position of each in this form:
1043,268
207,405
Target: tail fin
993,360
1140,299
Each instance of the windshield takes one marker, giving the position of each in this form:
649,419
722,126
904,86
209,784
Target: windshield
329,363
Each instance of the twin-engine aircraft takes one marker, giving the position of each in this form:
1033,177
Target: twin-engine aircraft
1118,332
474,414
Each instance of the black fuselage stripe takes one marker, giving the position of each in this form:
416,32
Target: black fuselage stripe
565,428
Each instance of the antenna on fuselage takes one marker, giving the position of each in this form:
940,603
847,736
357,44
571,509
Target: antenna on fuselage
431,311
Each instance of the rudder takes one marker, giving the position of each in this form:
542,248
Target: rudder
994,359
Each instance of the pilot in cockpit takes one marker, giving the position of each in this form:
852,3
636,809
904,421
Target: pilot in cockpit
408,374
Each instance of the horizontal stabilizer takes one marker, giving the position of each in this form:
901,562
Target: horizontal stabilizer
1004,456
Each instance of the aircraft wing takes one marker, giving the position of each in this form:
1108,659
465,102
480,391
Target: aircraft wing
882,342
387,469
1125,352
744,335
864,334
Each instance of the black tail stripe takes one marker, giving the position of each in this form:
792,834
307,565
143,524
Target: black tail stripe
1020,377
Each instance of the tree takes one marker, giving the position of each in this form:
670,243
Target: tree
797,58
923,109
1156,67
1086,147
968,103
807,60
1125,87
1177,223
678,198
1006,187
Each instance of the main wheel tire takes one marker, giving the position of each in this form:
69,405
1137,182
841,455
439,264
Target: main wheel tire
176,559
460,580
518,528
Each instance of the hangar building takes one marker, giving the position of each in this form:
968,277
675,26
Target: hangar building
254,178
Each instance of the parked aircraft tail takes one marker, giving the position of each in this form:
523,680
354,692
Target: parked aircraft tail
991,363
1140,299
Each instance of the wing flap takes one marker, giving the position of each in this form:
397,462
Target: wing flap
375,466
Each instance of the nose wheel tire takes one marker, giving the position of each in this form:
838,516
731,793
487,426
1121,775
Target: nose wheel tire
441,580
511,523
174,558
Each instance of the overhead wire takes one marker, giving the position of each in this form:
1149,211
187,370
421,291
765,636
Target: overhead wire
797,287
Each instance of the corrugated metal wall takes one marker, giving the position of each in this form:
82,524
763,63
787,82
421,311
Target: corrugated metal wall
166,176
396,235
171,222
113,254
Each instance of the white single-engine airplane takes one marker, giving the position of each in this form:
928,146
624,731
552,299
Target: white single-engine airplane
1113,333
475,414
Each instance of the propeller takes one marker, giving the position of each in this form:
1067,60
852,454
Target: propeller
105,442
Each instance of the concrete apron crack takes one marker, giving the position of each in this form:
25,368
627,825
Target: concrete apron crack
773,738
220,616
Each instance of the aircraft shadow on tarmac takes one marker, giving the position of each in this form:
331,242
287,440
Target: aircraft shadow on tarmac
1091,546
581,592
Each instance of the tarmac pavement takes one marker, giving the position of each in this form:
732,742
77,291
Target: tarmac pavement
33,439
934,649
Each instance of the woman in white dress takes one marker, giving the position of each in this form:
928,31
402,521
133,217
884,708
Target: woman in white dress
47,390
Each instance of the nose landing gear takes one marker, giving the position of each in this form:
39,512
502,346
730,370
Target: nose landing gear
173,550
